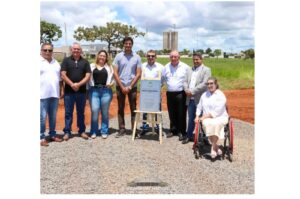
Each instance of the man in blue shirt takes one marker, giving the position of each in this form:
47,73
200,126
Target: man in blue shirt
127,71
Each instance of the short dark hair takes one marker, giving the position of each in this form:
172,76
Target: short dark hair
127,39
46,44
198,55
151,51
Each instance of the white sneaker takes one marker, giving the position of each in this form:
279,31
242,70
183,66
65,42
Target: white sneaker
93,136
104,136
219,152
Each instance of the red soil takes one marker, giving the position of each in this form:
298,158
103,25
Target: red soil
240,105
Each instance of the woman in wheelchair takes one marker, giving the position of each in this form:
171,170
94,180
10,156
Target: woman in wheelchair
214,116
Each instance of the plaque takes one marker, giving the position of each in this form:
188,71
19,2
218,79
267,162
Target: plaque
150,95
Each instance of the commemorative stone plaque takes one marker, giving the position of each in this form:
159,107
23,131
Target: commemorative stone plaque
150,95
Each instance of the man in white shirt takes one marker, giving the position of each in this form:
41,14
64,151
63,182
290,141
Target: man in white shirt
50,92
197,78
150,69
175,75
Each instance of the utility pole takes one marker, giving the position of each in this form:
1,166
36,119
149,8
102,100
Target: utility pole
66,40
66,43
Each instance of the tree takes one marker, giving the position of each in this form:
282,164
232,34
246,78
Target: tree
185,52
217,52
249,53
112,33
208,51
49,32
166,51
201,51
140,53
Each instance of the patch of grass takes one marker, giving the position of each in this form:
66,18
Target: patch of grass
231,73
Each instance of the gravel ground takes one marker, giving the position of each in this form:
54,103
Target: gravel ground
98,166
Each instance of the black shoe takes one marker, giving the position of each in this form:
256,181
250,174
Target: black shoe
156,129
170,134
120,133
142,133
185,140
180,136
206,142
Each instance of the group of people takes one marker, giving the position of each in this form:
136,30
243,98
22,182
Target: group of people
189,89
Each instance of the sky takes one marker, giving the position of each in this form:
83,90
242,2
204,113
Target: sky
226,25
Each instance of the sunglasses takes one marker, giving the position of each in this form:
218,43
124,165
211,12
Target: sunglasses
150,55
48,50
210,83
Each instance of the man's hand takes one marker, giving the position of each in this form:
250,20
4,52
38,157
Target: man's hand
75,86
196,119
125,90
188,93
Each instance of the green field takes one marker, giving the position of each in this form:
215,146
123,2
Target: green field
231,73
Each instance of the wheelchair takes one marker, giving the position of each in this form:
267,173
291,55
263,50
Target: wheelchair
200,138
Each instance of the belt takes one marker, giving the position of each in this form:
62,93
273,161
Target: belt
99,86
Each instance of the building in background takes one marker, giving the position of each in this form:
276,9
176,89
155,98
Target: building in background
88,50
170,40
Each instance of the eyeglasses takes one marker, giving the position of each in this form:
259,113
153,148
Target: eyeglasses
150,56
210,83
48,50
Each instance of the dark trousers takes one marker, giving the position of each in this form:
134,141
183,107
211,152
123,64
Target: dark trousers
177,111
70,99
121,106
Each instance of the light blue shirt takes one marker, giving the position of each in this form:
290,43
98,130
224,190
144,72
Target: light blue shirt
127,65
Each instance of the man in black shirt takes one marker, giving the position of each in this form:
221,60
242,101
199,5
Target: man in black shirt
76,72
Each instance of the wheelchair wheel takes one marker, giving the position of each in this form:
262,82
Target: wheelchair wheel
195,146
228,141
197,153
231,135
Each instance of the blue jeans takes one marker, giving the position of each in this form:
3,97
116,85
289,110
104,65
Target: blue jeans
70,99
192,107
100,99
48,107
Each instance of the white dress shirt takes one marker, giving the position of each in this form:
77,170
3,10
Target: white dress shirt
151,71
175,76
215,104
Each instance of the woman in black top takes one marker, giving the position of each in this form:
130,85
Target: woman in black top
100,94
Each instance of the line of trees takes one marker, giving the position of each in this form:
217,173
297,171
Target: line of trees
113,34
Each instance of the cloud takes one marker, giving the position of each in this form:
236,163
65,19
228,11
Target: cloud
225,25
